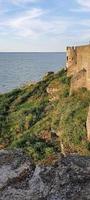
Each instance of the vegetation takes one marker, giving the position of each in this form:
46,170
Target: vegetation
30,115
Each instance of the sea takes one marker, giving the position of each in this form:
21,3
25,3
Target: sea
17,69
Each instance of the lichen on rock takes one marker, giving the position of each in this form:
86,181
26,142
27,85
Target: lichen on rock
20,179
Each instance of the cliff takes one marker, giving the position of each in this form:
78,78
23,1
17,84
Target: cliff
43,132
43,119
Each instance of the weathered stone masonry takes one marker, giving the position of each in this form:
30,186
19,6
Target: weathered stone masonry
78,66
88,125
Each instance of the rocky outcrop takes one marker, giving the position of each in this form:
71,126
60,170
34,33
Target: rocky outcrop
53,91
20,179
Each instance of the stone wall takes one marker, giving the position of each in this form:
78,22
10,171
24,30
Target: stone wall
78,66
78,81
71,61
71,70
88,125
83,57
78,58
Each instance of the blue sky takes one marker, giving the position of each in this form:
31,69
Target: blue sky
43,25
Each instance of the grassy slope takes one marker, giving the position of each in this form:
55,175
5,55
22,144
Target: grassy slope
26,114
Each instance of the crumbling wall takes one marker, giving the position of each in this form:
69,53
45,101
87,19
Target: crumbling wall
88,74
88,125
78,81
78,66
78,58
71,71
71,61
83,57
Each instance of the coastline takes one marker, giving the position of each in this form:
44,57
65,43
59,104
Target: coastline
17,69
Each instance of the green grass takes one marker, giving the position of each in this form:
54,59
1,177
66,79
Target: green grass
26,113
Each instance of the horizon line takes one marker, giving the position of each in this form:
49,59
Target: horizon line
32,51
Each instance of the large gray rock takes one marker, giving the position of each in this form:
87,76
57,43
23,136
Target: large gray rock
20,179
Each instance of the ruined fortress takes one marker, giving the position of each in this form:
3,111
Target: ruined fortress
78,66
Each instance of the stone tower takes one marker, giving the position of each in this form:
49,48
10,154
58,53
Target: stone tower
78,66
71,61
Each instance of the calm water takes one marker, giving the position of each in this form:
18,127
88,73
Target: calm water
19,68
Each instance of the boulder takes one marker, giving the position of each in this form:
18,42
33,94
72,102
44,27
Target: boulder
20,179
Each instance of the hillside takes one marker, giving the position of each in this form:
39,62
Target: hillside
43,119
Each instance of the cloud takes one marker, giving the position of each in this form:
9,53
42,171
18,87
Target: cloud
33,24
84,6
84,3
80,10
17,2
25,17
25,21
85,23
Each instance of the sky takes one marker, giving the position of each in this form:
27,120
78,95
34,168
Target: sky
43,25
